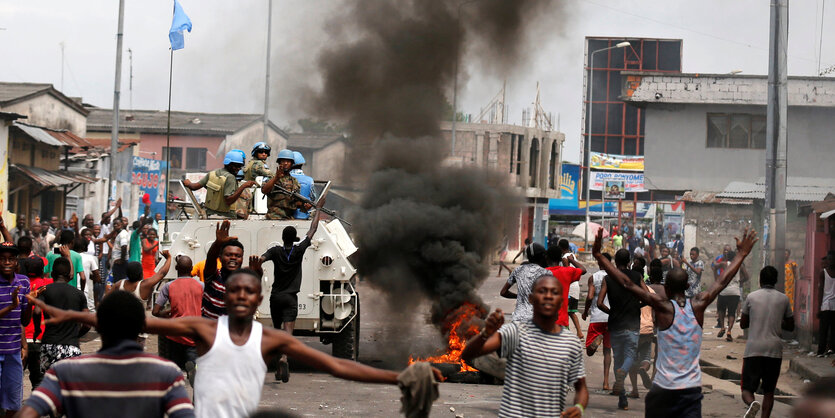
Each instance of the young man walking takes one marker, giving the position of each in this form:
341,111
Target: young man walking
60,341
624,320
234,350
543,358
523,277
17,311
287,280
117,381
677,387
598,331
765,313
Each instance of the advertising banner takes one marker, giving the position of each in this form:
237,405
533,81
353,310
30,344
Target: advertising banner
569,189
630,182
615,189
601,161
149,175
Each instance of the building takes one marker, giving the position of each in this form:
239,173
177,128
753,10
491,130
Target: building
198,141
706,136
324,154
44,106
529,157
616,129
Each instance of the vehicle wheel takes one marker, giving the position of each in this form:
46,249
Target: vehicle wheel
347,343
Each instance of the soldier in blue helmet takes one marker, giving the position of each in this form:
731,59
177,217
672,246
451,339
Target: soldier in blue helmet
257,166
282,205
222,189
305,183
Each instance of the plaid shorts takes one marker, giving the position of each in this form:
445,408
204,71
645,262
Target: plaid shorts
51,353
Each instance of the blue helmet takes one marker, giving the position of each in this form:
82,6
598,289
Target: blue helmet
234,156
285,154
298,159
261,147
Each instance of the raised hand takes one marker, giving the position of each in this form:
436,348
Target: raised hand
222,232
745,245
65,251
165,254
56,315
493,323
255,265
598,242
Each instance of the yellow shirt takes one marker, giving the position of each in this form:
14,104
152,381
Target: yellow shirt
197,270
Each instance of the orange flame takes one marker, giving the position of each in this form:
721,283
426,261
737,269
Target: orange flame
459,328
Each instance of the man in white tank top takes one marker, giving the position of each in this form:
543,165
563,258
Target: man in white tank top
677,387
234,351
826,333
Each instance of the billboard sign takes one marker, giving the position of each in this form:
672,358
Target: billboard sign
601,161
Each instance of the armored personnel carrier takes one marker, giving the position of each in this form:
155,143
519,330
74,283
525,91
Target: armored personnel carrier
329,306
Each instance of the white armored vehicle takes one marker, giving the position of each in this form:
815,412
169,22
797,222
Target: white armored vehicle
328,301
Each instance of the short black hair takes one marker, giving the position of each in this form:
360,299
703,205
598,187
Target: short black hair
528,241
134,271
656,274
234,243
638,264
676,281
768,276
120,316
622,257
61,267
66,237
554,253
245,271
24,243
563,243
731,255
543,277
696,249
79,245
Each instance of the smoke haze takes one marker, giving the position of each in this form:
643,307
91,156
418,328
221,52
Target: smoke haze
425,230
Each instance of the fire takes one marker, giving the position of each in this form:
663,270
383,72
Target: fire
459,327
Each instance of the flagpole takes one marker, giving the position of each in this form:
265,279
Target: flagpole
165,237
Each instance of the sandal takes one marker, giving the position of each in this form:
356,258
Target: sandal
728,338
721,333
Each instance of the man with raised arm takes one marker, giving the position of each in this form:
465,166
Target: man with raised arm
235,349
677,388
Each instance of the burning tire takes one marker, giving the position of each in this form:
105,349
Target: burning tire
346,344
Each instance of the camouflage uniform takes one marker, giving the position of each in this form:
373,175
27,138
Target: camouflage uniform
256,168
280,205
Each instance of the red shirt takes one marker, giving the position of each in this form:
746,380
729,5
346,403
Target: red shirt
566,276
30,329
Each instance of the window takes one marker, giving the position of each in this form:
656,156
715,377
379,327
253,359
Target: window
176,157
196,158
512,150
741,131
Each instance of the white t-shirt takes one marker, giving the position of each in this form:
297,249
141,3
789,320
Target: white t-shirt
122,239
574,290
105,229
90,264
595,314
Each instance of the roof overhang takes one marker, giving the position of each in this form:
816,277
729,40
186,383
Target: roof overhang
50,178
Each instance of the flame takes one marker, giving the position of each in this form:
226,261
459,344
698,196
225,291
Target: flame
459,327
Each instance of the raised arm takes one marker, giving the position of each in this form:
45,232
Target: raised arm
7,236
314,224
221,237
192,185
115,207
640,291
58,315
268,186
234,196
743,248
573,261
146,287
276,341
488,340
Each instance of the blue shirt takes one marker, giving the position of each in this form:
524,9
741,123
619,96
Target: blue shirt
305,189
10,324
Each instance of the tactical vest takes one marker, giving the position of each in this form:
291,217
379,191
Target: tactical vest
248,170
214,193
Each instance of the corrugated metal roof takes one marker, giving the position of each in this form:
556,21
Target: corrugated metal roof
39,135
313,140
52,178
13,91
54,137
800,189
156,122
710,197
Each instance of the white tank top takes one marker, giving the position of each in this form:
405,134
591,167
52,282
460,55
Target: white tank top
229,377
828,303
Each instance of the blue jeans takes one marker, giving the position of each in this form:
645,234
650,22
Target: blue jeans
11,381
624,348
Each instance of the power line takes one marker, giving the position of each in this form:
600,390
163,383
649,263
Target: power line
820,38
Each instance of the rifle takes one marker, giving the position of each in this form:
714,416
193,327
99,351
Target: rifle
297,196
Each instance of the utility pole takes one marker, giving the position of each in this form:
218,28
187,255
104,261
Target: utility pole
114,131
267,80
62,65
130,78
776,144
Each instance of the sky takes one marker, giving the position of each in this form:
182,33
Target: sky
222,67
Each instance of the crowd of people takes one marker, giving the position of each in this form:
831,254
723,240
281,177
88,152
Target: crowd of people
631,306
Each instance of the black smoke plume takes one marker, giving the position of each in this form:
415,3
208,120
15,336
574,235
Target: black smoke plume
425,230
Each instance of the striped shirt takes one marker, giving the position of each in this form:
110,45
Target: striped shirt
214,293
540,368
10,324
120,381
